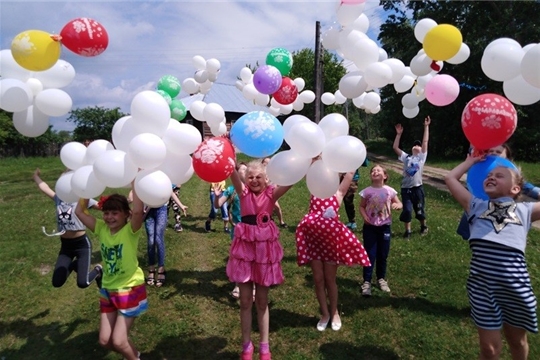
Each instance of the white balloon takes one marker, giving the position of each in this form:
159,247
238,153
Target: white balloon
503,40
361,23
530,70
54,102
95,149
372,100
321,181
298,104
376,110
249,91
307,96
300,84
63,189
35,86
196,109
246,75
60,75
213,66
287,168
421,81
348,37
274,110
378,74
352,85
178,167
330,38
10,69
114,169
73,155
461,56
239,85
190,86
520,92
409,101
147,151
404,84
398,69
15,95
262,99
200,76
31,122
340,99
502,61
422,27
306,139
153,187
150,112
124,130
199,62
219,129
334,125
359,101
181,138
347,13
328,98
410,113
421,65
292,121
344,153
366,52
213,113
85,184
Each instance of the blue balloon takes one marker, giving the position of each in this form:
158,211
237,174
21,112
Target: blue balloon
257,134
479,171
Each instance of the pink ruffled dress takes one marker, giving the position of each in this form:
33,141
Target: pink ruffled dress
256,252
322,236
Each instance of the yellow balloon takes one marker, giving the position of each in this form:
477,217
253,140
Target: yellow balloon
35,50
442,42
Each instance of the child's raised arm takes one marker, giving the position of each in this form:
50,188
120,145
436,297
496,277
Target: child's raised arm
42,185
237,182
344,186
137,212
81,210
425,138
458,191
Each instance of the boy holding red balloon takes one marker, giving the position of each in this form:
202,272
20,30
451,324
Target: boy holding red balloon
412,190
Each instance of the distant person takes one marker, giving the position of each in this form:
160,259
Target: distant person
256,253
123,296
217,186
324,242
277,208
348,199
499,285
376,204
412,190
177,207
76,248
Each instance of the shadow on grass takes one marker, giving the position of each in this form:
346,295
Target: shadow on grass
343,350
174,348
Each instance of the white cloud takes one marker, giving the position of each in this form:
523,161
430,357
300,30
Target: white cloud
149,39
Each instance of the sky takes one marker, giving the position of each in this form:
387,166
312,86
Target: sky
150,39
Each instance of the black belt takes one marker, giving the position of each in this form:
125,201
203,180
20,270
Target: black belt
252,219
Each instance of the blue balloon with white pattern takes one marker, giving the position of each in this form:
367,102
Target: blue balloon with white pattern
257,134
479,171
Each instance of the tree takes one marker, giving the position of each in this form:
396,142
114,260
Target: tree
480,22
94,122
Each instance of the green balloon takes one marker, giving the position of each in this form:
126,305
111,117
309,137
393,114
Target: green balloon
170,85
166,96
178,110
280,58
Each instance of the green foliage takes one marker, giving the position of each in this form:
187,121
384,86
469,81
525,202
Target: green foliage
94,123
480,22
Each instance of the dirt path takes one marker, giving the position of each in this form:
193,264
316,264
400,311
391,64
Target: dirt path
432,176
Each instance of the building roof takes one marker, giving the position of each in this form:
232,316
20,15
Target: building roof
227,96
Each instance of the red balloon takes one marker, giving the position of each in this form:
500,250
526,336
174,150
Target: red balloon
85,37
214,159
488,120
287,92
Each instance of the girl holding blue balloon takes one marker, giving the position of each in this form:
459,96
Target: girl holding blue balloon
499,286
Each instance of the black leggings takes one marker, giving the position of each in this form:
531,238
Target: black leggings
79,249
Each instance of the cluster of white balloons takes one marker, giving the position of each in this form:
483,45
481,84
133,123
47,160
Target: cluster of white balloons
150,149
34,96
516,67
212,113
246,86
328,143
206,74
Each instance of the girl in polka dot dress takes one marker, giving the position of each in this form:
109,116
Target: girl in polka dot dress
324,242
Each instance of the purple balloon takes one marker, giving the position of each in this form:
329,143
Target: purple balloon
267,79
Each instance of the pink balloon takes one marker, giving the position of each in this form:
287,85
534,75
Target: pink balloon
442,90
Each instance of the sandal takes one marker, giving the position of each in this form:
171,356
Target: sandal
150,280
235,293
160,278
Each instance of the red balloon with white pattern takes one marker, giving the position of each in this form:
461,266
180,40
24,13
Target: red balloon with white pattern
287,92
488,120
214,159
85,37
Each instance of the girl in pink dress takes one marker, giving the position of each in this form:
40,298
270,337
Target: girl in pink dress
256,253
324,242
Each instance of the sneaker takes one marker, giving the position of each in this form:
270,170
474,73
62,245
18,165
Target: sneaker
407,235
207,226
383,285
348,225
178,227
353,226
366,288
283,225
423,230
227,230
99,277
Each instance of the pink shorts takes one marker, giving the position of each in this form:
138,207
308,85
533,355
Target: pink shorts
130,302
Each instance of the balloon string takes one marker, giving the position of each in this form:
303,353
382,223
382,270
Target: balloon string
56,37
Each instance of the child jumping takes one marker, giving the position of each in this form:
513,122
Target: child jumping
256,253
123,296
499,286
376,205
324,242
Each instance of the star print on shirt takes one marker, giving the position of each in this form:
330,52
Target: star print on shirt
501,214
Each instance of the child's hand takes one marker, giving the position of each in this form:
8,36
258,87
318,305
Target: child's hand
427,121
399,129
37,173
184,209
397,206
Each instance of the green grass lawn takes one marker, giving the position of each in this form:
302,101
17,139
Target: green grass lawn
192,316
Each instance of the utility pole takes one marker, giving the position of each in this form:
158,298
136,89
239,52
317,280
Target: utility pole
318,72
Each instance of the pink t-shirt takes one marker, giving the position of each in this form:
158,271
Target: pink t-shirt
378,204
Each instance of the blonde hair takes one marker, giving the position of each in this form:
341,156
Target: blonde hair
256,165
